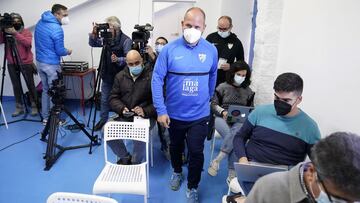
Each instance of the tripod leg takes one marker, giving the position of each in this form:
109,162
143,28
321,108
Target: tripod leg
51,156
93,139
45,132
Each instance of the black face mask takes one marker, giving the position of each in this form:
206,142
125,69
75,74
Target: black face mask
17,26
282,108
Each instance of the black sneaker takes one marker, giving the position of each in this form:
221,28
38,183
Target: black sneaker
99,125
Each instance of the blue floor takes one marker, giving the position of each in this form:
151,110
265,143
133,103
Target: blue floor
23,179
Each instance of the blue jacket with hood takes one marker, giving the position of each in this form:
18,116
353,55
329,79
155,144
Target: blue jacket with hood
49,40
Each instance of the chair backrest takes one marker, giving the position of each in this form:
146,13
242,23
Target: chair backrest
67,197
115,130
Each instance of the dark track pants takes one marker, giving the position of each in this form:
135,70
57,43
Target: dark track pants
194,132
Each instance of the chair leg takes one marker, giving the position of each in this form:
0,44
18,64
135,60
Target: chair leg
151,152
212,148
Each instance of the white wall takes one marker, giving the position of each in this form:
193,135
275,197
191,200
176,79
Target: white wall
320,41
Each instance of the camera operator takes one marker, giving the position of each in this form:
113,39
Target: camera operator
23,40
131,94
113,61
49,46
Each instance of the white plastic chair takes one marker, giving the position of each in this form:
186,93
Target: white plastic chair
147,122
3,114
68,197
129,179
212,146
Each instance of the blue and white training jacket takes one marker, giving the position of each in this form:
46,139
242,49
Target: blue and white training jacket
190,77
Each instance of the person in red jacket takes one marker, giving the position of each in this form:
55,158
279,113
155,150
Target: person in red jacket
23,40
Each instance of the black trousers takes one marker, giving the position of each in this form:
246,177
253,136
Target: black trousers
194,132
28,72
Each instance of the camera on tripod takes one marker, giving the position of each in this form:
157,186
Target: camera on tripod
6,21
58,90
141,36
102,30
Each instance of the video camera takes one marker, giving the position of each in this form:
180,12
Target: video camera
141,36
102,30
58,90
6,21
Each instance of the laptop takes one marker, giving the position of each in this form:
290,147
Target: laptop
238,114
248,174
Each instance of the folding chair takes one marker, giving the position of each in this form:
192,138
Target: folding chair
147,122
67,197
3,114
129,179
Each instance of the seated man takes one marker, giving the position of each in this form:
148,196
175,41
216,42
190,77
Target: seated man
132,93
332,176
279,133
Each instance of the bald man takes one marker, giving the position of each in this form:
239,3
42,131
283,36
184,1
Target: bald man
189,65
131,92
228,45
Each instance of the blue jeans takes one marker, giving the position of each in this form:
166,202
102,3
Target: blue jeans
47,73
227,132
105,106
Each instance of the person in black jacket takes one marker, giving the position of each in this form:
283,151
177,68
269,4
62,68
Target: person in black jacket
229,47
132,93
113,61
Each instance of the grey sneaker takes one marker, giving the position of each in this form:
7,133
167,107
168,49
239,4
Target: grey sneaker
176,180
34,110
214,167
192,196
18,111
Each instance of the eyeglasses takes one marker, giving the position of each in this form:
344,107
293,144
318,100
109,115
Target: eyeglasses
332,198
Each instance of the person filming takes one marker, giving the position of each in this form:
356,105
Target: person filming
23,40
113,61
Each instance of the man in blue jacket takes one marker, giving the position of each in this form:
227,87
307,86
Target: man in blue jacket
49,47
189,66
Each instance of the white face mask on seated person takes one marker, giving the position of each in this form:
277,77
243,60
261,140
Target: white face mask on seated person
238,80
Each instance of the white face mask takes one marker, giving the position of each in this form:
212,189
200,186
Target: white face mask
238,80
65,20
158,48
224,34
192,35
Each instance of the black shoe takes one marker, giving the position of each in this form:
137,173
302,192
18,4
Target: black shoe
124,161
99,125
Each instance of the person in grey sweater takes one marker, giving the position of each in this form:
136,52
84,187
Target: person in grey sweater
333,175
235,91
